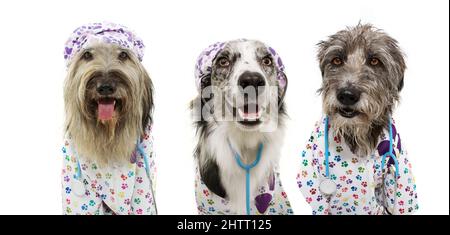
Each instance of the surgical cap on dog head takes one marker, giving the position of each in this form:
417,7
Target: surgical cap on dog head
203,66
105,32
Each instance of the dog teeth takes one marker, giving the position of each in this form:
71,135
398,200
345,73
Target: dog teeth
249,116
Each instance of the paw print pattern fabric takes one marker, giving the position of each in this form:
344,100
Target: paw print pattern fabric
105,32
270,199
362,186
88,189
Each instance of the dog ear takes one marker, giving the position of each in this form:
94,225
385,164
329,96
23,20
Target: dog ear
200,102
398,60
147,100
210,175
282,89
322,47
401,70
205,81
400,85
401,67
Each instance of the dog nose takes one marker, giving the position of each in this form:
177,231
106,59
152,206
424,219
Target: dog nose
106,89
348,96
252,79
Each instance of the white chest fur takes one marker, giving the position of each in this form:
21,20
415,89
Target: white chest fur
246,144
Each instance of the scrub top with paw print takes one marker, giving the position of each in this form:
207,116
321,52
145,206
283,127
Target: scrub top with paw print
362,186
270,199
124,189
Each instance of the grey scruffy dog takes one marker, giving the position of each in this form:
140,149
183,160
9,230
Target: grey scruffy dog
354,161
362,69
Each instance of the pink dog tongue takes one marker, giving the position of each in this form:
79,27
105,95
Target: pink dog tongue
105,109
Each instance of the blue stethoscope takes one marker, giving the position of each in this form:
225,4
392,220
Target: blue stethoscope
328,187
247,169
79,186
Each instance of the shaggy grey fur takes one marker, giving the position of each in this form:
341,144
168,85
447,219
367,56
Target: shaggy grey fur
367,61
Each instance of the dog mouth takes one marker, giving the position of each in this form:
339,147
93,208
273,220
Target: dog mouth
249,114
348,112
106,108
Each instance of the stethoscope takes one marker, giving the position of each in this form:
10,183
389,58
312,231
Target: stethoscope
328,187
78,187
247,168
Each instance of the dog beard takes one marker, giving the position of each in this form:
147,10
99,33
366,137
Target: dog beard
362,131
105,142
355,133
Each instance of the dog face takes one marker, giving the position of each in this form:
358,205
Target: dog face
245,86
108,98
242,85
362,71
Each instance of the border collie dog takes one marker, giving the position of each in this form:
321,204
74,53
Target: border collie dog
239,116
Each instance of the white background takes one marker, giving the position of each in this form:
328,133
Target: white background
32,70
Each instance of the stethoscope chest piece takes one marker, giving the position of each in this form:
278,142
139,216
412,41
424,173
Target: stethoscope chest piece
327,187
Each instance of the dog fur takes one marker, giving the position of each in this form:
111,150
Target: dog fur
111,141
218,168
370,62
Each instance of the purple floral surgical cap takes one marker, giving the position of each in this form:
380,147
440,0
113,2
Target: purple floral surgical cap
105,32
204,63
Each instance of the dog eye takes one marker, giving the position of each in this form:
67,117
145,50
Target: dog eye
336,61
224,62
87,56
267,61
374,61
123,55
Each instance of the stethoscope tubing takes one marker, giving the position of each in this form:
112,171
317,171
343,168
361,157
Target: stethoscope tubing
383,158
247,168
